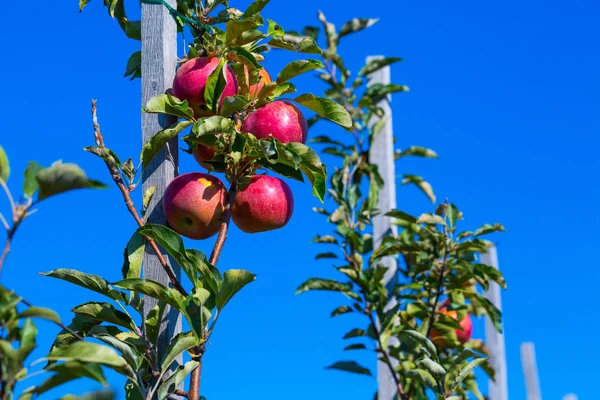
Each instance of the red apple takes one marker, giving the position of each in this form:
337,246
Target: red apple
190,82
281,119
193,205
203,153
264,77
265,204
463,335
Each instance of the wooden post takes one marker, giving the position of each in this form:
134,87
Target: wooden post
493,338
159,58
570,396
381,154
532,382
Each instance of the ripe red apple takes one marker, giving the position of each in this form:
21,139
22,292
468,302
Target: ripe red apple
463,335
281,119
265,204
193,205
203,153
190,82
264,77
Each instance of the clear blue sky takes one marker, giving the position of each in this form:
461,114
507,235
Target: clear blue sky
506,93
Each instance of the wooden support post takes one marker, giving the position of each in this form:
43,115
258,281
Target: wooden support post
381,154
496,390
159,58
570,396
532,382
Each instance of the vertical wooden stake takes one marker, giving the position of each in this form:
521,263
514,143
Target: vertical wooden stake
381,154
159,58
532,382
494,339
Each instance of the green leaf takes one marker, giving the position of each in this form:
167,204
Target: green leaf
167,104
233,282
169,386
128,352
492,312
153,321
155,144
275,30
134,65
88,352
235,29
350,366
180,343
305,45
356,332
215,84
325,239
420,339
456,379
66,372
152,289
330,33
416,151
104,312
355,25
83,3
148,197
210,126
298,67
40,312
255,8
488,228
321,256
134,253
377,64
377,128
355,346
60,178
89,281
172,242
435,369
422,376
323,284
233,104
327,109
423,185
342,310
30,184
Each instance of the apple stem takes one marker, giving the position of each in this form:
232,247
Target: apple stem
116,176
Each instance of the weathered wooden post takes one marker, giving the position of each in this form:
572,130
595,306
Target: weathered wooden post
381,154
159,58
532,382
495,340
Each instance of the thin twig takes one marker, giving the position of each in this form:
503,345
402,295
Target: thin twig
116,176
9,195
181,393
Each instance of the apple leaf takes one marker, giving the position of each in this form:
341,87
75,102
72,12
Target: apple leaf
40,312
422,376
153,321
172,242
275,30
245,57
456,378
134,253
421,183
415,151
377,64
134,65
82,4
155,144
180,343
355,25
330,33
30,184
350,366
171,384
255,8
233,104
153,289
323,284
87,352
60,178
127,351
235,29
327,109
233,281
104,394
298,67
215,125
305,45
4,165
91,282
104,312
215,85
168,104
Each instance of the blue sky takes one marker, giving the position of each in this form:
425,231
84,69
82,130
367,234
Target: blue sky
506,93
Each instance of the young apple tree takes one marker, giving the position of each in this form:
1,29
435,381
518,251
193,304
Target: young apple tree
243,128
440,281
